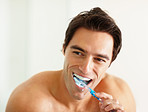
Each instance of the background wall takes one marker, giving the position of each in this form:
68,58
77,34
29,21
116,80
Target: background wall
32,33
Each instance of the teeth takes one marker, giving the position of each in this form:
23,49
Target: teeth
78,82
82,78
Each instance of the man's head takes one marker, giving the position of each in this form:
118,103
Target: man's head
95,20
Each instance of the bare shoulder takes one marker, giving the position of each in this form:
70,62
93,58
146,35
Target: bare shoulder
33,95
116,83
120,90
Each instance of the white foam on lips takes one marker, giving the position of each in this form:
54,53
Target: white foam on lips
82,78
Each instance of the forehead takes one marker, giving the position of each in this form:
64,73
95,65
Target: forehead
92,41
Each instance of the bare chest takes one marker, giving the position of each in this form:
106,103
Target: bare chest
65,109
91,107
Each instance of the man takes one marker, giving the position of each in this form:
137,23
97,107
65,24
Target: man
92,43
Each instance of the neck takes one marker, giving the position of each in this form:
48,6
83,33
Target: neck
62,95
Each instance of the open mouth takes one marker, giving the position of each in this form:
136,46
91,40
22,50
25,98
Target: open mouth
78,78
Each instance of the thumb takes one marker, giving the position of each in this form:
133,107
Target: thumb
103,95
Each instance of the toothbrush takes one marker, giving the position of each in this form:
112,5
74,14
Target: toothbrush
92,92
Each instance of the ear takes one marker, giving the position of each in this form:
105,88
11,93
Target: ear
63,50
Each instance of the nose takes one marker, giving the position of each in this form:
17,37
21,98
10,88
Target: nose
86,65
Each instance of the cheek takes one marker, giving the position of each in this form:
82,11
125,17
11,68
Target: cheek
68,63
105,68
100,70
70,60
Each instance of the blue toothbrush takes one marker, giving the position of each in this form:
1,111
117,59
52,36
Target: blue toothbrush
92,92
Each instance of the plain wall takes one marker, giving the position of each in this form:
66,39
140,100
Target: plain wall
32,34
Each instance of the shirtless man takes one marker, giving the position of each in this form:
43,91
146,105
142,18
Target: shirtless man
92,43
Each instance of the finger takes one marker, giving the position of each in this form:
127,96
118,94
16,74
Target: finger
111,104
107,102
114,106
110,101
120,111
103,95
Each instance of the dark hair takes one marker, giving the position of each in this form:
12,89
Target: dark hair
97,20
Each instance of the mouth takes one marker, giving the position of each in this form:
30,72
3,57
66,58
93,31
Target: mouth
78,78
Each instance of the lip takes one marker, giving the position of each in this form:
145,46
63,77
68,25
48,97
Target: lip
81,75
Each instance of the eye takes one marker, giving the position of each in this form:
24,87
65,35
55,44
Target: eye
99,60
78,53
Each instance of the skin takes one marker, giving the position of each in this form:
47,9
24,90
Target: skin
88,54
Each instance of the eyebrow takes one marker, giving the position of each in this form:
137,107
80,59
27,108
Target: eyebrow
98,55
78,48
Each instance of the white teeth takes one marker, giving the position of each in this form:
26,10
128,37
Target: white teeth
82,78
78,82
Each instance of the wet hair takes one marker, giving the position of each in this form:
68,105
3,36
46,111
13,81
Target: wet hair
96,20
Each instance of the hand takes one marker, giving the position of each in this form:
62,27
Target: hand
109,104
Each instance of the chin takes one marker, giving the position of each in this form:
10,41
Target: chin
79,97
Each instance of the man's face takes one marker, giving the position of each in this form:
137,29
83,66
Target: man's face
87,57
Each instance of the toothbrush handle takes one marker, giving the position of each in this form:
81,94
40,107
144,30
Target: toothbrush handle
92,92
